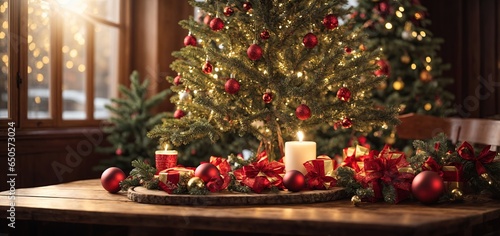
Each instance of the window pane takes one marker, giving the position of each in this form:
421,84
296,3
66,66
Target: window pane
4,57
38,61
105,68
74,69
106,9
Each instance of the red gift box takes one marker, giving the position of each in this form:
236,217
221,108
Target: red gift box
172,177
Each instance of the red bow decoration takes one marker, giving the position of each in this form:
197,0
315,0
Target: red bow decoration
384,170
358,155
320,173
221,183
466,152
261,174
432,165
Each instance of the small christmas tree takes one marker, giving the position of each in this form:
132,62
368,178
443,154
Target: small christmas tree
270,69
409,59
130,121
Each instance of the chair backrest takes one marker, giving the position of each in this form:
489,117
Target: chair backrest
417,126
480,131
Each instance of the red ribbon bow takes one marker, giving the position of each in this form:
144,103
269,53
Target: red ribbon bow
219,182
466,151
432,165
316,177
261,174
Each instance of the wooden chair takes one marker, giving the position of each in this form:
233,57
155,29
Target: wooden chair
479,131
416,126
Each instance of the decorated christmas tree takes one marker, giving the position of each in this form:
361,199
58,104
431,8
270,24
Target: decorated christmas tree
409,59
130,121
270,69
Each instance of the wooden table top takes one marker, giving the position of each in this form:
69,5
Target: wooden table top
87,202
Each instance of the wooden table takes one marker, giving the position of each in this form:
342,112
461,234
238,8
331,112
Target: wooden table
86,202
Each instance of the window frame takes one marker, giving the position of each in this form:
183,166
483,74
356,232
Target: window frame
18,62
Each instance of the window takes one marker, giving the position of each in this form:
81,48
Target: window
68,65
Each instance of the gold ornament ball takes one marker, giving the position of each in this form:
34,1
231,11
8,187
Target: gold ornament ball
195,183
398,85
405,59
457,195
390,140
355,200
425,76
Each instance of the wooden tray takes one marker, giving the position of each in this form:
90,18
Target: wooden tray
143,195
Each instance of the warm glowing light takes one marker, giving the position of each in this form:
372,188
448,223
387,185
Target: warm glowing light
422,33
414,34
418,16
5,25
39,65
39,77
428,68
32,46
401,9
398,85
81,68
30,38
300,135
428,106
166,147
399,14
2,35
29,69
65,49
73,53
299,74
69,64
45,60
388,25
428,59
36,53
38,100
413,66
5,58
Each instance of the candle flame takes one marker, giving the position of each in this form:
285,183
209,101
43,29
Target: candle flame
166,147
300,135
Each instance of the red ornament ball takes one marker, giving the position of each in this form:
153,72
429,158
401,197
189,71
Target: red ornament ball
179,114
330,21
232,86
267,97
177,80
254,52
310,40
119,152
346,122
111,178
294,180
384,68
264,34
189,40
427,187
216,24
206,171
247,6
303,112
228,11
207,68
344,94
347,50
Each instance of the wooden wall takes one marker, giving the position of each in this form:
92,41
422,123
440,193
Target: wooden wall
471,30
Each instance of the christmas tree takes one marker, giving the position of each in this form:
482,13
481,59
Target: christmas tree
270,69
410,57
130,121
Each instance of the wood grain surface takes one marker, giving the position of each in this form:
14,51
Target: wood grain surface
86,202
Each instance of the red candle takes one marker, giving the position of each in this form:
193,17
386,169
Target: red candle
165,159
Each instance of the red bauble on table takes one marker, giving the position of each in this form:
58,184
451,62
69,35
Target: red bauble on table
254,52
207,68
177,80
216,24
310,40
294,181
206,172
232,86
427,187
303,112
189,40
111,178
267,97
264,34
330,21
179,114
344,94
228,11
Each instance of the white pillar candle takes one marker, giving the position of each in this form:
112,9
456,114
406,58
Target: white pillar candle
298,152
